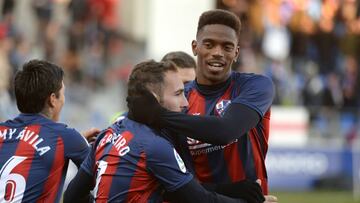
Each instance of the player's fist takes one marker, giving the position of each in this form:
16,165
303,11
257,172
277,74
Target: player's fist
270,199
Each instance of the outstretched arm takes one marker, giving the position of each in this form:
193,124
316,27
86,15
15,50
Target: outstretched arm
193,192
237,120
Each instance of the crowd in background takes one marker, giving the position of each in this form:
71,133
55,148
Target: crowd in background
310,48
83,38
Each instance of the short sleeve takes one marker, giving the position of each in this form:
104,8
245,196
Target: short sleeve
76,147
166,165
257,92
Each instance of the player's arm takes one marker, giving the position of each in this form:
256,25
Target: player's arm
76,146
168,168
237,120
193,192
79,188
239,117
249,190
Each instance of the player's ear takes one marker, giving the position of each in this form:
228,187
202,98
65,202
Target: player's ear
194,47
237,51
52,99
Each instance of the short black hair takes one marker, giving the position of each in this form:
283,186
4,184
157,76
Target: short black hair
149,74
219,16
181,59
34,84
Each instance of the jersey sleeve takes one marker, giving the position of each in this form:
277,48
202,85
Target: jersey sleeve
88,165
257,93
76,146
166,165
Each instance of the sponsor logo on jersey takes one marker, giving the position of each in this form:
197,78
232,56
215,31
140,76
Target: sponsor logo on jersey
180,162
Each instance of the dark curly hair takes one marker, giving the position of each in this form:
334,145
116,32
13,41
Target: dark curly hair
222,17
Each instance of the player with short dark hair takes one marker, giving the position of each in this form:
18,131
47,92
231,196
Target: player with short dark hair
34,149
219,17
180,58
37,75
131,162
232,109
184,62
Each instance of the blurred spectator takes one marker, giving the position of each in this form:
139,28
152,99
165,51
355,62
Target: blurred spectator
351,84
5,75
46,29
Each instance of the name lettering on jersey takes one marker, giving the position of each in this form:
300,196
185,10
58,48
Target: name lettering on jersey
5,132
119,142
27,136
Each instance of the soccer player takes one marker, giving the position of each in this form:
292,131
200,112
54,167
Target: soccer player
34,148
184,62
186,70
232,109
131,162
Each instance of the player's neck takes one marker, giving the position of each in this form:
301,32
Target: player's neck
209,90
47,114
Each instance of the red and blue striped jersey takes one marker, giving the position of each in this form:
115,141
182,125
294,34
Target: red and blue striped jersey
132,163
34,156
244,158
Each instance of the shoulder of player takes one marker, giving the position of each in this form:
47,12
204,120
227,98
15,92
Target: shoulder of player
252,79
61,129
189,86
156,145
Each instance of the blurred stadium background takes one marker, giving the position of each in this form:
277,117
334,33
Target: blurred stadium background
310,48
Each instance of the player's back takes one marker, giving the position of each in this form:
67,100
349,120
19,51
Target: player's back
34,154
131,164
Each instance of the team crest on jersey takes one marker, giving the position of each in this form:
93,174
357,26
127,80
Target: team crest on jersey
221,106
180,162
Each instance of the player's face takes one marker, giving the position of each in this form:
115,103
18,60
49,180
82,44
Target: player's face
173,97
186,74
216,47
59,103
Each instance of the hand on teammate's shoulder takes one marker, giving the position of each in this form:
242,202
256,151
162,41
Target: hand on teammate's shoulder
90,134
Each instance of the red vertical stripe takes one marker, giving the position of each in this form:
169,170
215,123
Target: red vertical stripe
259,160
104,186
51,186
25,150
113,159
233,163
197,105
202,168
142,184
100,149
2,130
231,153
266,130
